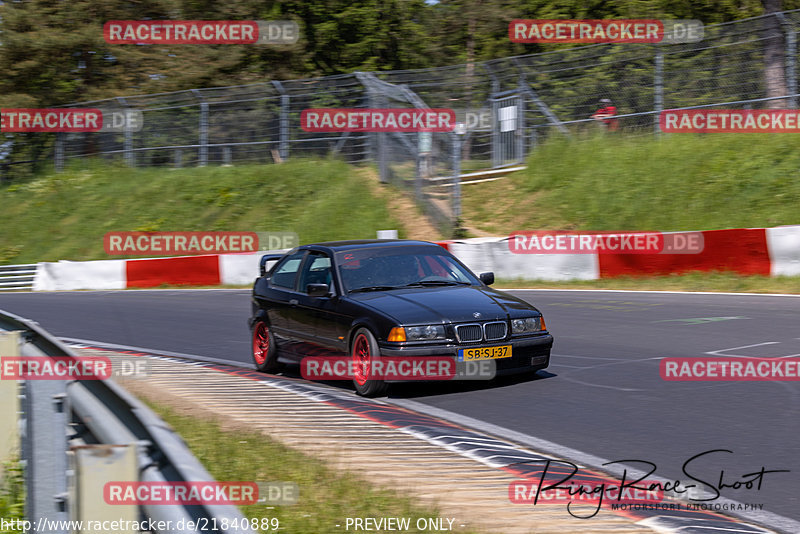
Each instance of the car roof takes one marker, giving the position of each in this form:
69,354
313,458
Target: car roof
336,246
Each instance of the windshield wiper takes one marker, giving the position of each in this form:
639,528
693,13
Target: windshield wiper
374,288
438,283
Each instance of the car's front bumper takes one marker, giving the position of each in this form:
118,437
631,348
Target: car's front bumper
527,353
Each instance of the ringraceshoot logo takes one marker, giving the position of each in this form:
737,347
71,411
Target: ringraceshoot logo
201,32
377,120
730,120
605,31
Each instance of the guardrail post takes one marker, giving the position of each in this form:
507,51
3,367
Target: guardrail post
93,467
44,450
9,399
658,88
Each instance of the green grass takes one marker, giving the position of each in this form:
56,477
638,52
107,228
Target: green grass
618,183
12,493
65,216
326,496
589,182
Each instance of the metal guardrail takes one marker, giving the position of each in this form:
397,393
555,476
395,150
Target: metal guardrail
61,416
17,277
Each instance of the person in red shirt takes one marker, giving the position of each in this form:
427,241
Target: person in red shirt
606,113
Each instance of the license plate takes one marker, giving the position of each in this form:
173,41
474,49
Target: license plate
484,353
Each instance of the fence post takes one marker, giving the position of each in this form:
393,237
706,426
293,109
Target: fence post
58,158
790,59
456,180
283,134
203,134
658,89
283,147
128,154
521,127
383,161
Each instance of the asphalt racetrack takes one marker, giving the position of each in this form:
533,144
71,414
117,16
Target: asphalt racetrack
602,394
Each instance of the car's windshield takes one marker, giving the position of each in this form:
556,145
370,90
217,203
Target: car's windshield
383,268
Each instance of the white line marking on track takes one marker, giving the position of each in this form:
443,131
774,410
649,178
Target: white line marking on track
717,352
539,445
548,447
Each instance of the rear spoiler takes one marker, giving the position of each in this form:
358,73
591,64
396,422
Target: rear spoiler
262,264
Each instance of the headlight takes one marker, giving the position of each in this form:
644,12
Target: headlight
529,324
424,333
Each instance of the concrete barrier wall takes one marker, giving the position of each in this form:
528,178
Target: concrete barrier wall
767,251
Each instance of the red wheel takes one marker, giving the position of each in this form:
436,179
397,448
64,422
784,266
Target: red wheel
361,359
264,350
364,352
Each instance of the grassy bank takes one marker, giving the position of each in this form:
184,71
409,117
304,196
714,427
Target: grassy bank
65,216
12,493
618,183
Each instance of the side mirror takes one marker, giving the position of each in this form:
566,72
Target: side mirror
317,290
487,278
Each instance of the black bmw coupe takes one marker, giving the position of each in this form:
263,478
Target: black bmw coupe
372,299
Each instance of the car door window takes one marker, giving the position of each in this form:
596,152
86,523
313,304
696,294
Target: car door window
286,271
317,270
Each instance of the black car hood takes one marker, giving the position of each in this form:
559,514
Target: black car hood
430,305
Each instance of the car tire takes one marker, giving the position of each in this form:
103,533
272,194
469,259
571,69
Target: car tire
265,353
364,350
